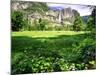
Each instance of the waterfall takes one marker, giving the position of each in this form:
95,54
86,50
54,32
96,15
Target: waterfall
60,17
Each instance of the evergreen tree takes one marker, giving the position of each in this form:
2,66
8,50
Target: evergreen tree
17,20
78,23
92,20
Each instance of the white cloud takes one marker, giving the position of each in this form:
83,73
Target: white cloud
90,2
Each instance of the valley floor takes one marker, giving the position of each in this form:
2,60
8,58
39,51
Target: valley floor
50,51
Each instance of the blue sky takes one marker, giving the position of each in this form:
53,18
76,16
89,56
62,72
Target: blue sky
82,9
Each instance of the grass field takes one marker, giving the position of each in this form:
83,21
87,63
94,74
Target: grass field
49,51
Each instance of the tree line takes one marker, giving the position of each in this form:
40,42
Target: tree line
19,21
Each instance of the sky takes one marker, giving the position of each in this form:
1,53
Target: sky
82,9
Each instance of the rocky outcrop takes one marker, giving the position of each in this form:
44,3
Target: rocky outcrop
60,15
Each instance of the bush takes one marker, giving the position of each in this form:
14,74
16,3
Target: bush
21,64
87,53
43,23
17,20
58,28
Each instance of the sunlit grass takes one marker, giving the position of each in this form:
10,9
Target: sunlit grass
45,33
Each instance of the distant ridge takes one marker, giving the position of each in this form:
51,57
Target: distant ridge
85,18
56,8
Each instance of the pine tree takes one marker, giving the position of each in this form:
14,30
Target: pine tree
78,23
92,20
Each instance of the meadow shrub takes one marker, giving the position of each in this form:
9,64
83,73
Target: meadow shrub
26,25
87,53
59,28
42,24
21,64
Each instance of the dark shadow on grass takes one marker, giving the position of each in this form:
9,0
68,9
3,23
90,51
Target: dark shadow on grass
60,46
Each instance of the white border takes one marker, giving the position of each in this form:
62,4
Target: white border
5,37
5,49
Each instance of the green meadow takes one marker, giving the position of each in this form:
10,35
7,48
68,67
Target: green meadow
50,51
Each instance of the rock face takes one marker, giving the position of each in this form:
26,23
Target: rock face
57,15
66,14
